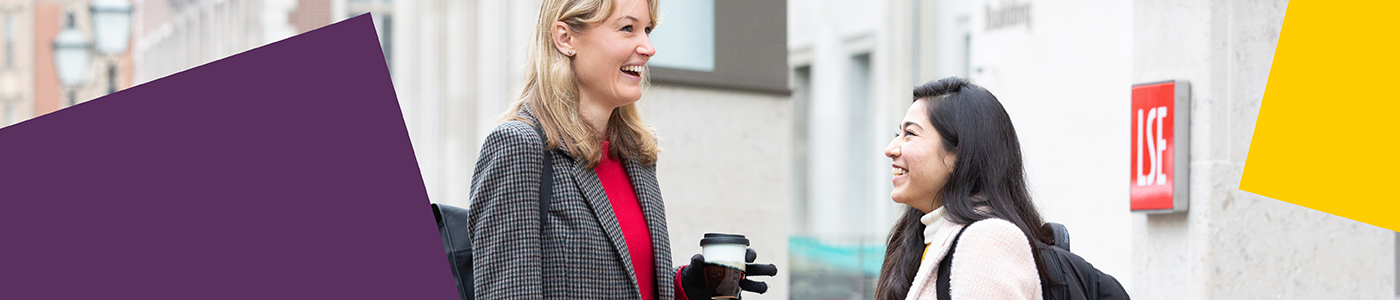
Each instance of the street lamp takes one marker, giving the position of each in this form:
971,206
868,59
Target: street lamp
71,54
111,22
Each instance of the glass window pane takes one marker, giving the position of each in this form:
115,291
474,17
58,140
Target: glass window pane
685,39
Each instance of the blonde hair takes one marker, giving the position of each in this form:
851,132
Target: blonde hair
551,92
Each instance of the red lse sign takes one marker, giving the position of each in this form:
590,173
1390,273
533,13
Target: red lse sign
1160,118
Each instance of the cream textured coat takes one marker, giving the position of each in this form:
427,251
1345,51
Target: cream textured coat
993,261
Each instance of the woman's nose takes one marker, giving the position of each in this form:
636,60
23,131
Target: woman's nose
892,150
645,49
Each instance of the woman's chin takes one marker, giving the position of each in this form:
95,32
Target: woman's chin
632,96
625,98
897,198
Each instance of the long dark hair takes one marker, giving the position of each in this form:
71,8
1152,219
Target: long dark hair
988,179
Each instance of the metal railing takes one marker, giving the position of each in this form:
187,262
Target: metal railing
834,267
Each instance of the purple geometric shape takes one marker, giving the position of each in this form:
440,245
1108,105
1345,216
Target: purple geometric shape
284,172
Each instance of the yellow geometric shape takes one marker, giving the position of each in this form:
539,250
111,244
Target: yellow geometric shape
1327,136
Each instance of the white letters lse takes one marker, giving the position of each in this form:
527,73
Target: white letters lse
1155,146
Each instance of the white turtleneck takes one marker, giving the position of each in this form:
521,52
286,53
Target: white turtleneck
993,260
938,231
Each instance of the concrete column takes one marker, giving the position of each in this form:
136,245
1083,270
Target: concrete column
275,23
458,82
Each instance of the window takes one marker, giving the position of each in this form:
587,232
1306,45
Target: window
382,11
386,36
10,116
966,70
749,45
688,37
840,261
801,106
9,42
860,149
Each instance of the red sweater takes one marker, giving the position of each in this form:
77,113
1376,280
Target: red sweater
631,219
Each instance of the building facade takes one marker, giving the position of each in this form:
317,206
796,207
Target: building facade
17,67
848,93
1233,244
29,84
726,149
798,165
174,35
458,64
1064,71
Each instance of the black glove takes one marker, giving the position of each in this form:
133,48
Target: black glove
693,276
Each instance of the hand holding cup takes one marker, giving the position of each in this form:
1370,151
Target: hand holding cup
722,270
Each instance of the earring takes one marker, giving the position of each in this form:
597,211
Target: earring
571,52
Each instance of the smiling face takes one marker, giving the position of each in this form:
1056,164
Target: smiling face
920,164
609,56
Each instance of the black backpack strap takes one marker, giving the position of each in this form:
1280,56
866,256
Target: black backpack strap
456,240
945,266
1061,234
547,177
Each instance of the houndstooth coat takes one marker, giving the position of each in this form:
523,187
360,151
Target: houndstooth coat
584,255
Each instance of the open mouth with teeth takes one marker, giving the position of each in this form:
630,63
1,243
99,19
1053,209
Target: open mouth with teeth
633,70
898,171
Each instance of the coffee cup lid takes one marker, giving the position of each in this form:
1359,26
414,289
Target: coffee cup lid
722,238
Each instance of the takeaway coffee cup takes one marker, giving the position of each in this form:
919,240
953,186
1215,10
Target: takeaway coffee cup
724,263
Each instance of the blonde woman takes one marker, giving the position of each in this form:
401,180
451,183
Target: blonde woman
603,235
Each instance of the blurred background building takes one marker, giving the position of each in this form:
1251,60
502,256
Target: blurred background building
774,115
30,82
175,35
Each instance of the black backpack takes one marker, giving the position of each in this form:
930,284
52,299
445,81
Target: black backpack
457,237
1078,279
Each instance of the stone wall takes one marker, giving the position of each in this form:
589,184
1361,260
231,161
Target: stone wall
1233,244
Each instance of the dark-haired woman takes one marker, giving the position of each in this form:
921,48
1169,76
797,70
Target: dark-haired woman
957,165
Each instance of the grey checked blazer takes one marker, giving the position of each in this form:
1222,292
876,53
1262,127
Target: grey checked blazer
584,254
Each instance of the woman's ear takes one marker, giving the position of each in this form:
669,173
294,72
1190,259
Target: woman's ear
950,160
563,38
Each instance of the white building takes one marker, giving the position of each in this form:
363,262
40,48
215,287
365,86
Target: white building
806,171
1234,244
29,83
726,144
1064,70
457,64
174,35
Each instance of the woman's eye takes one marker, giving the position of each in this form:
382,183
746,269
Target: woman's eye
648,30
908,133
627,28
